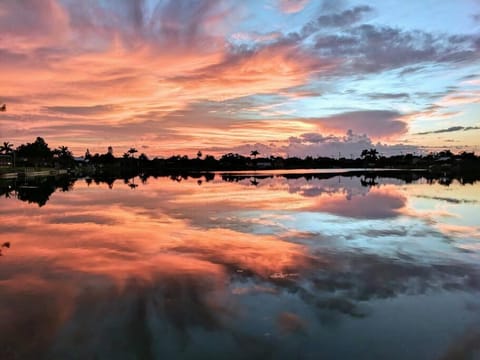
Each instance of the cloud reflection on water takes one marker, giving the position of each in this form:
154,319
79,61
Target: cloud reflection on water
172,268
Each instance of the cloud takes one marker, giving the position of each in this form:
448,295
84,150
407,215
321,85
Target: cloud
262,70
375,205
74,69
292,6
373,48
256,37
317,144
450,129
33,23
342,19
82,110
374,123
349,145
389,96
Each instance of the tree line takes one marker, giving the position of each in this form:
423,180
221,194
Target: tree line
39,154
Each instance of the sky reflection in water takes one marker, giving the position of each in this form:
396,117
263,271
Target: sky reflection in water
274,268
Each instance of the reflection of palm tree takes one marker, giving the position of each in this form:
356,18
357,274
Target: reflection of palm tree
254,182
8,192
132,184
369,181
254,153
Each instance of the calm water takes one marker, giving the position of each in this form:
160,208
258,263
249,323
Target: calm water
268,268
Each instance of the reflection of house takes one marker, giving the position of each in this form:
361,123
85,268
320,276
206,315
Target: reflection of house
5,161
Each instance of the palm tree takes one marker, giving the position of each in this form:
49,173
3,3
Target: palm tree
254,153
132,151
369,155
6,148
199,154
63,151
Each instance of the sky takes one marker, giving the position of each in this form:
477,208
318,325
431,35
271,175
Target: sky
284,77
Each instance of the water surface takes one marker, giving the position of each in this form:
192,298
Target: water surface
241,268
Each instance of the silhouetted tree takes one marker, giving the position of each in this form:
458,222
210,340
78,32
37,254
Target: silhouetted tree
132,151
254,153
88,156
64,155
369,155
6,148
36,153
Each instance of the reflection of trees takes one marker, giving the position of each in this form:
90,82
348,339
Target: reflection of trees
170,311
7,191
37,190
369,181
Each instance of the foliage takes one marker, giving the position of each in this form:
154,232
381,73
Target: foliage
37,153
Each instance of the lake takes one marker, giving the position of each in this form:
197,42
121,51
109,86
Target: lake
240,267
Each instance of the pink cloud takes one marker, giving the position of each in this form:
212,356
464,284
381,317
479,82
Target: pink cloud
292,6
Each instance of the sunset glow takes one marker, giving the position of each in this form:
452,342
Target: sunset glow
294,77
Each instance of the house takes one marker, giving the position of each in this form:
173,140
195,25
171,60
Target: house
5,161
264,164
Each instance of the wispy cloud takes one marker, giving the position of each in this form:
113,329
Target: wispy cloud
450,129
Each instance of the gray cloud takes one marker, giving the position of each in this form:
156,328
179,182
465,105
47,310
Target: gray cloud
316,144
350,145
82,110
388,96
377,48
336,20
450,129
376,123
313,138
